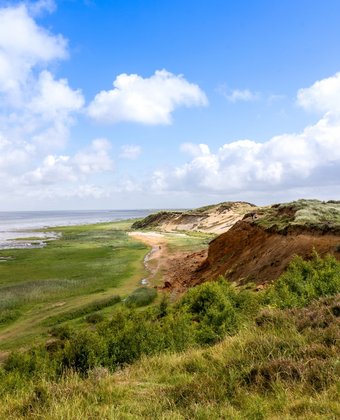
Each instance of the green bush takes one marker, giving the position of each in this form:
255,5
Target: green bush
142,296
83,352
304,281
216,308
62,331
94,318
9,315
34,363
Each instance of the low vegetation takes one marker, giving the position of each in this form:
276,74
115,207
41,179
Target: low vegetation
79,273
321,215
219,352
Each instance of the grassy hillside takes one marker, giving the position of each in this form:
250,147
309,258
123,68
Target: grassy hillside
220,352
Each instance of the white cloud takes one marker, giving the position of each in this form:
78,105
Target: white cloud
37,111
148,101
55,97
323,95
307,159
195,149
34,106
56,192
94,159
238,95
130,151
23,45
54,169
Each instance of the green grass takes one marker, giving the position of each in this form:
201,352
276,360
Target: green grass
141,297
281,364
219,352
88,263
66,279
301,213
188,241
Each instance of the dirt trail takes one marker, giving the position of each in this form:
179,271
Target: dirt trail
168,270
156,258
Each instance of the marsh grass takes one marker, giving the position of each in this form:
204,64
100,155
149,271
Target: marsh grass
86,264
94,306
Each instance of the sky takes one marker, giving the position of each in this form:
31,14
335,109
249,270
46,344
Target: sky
132,104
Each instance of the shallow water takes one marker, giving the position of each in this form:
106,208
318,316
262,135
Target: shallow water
22,224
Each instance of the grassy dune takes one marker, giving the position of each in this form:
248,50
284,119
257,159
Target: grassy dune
301,213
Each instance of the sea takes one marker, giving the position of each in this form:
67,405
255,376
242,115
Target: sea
18,229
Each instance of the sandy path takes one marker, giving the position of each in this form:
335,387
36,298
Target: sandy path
168,270
154,259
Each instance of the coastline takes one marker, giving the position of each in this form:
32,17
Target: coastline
25,230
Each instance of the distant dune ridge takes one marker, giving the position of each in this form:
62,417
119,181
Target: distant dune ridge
216,218
255,244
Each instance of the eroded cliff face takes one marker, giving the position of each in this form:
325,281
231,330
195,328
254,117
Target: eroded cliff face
250,253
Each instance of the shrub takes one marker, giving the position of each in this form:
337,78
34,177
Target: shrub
142,296
62,331
85,351
213,307
304,281
9,315
94,318
35,362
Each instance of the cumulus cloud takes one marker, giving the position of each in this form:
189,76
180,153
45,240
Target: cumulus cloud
35,107
23,45
54,169
195,149
37,111
54,97
145,100
310,158
323,95
130,151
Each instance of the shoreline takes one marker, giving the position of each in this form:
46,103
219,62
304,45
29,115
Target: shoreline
14,236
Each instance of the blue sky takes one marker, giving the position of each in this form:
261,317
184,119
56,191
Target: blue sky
212,101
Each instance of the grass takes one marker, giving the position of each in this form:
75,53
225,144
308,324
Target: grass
285,364
301,213
141,297
71,276
94,306
188,241
87,264
219,352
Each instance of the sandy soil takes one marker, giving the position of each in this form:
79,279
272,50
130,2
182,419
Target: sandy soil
168,270
158,255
